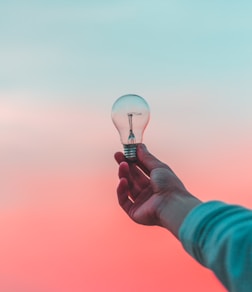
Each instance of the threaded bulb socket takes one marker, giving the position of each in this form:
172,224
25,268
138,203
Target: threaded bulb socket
130,151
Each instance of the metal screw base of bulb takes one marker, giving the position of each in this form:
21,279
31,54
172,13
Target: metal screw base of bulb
130,151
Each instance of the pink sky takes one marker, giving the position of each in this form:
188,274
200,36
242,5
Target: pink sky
61,226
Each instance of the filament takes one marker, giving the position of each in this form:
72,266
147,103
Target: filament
131,138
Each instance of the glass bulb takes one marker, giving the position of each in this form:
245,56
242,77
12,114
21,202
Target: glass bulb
130,115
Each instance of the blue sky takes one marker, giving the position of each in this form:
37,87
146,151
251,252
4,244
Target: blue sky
75,49
191,60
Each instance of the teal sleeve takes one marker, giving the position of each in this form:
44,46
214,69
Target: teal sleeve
219,236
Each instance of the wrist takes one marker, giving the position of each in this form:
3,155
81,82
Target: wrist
174,209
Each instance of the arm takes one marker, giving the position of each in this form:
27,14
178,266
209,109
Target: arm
217,235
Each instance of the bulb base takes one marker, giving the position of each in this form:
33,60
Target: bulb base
130,151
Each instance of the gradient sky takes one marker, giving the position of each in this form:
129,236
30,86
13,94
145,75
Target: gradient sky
62,65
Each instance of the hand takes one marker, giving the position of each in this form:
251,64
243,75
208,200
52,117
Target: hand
151,193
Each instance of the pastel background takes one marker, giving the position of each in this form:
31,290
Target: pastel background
62,65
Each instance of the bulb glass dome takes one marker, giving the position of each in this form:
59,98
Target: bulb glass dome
130,115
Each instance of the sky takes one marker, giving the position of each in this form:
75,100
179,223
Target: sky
62,66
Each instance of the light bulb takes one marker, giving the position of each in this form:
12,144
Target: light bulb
130,115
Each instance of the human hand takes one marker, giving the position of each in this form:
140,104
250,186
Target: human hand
151,193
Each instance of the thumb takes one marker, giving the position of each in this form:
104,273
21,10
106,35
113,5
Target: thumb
146,160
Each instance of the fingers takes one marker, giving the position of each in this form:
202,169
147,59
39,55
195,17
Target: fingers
123,195
146,160
124,170
132,171
134,187
135,178
119,157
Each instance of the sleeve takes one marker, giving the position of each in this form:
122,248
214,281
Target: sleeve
219,236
